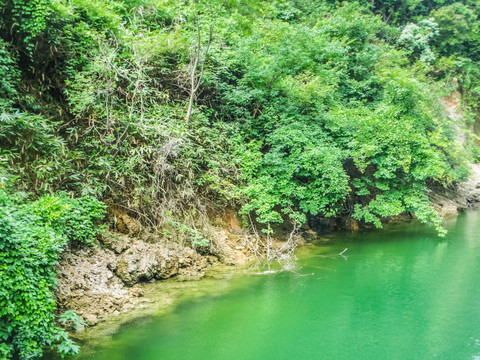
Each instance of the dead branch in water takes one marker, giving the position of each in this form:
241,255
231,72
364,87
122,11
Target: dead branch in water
334,255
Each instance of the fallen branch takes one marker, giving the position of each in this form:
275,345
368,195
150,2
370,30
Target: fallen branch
270,272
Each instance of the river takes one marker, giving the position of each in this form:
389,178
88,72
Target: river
398,293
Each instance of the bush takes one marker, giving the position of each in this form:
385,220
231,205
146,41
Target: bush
32,236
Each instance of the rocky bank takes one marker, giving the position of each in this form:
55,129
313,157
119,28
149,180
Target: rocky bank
462,196
107,279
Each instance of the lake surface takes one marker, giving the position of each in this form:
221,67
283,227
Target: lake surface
398,293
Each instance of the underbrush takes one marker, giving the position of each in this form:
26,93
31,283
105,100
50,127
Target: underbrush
33,234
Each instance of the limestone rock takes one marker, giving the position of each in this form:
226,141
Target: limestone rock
144,262
117,243
136,291
124,223
98,282
90,319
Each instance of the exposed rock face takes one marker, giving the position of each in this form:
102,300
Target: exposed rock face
144,262
465,195
123,223
107,279
231,249
88,284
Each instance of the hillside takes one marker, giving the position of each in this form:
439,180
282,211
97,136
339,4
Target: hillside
180,116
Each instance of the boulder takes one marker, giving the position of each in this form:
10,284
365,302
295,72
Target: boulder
144,262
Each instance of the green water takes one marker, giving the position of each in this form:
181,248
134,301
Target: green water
399,293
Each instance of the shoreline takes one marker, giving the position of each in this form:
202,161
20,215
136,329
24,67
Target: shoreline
107,282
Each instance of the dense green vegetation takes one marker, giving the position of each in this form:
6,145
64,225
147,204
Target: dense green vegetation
33,234
301,109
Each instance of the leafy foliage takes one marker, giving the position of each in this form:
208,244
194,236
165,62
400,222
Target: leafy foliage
417,39
336,121
9,74
26,20
306,109
32,236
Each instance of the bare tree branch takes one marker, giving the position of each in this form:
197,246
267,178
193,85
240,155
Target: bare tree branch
196,80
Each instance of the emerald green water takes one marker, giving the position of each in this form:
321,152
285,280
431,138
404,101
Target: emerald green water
399,293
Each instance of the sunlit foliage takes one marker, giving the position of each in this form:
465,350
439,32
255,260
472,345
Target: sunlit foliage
305,109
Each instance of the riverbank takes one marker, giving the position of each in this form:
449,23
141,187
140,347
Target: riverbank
450,201
403,278
110,279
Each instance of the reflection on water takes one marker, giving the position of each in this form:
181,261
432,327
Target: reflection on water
399,293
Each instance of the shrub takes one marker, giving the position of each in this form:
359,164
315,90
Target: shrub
32,236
